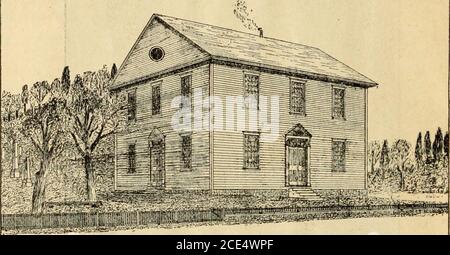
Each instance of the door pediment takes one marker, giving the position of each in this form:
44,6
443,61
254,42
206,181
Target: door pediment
298,130
156,137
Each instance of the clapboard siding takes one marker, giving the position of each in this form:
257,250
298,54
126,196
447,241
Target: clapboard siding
177,50
139,132
228,145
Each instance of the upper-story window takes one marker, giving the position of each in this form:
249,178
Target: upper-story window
251,150
338,155
156,99
186,91
132,158
297,97
251,90
338,103
132,105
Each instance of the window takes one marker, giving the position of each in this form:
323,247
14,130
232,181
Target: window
186,91
338,103
132,105
156,53
251,89
297,97
132,158
251,151
186,152
338,155
156,99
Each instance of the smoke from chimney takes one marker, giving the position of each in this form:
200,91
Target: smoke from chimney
243,14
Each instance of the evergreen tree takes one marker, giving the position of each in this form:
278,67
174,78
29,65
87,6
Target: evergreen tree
65,79
384,158
113,71
438,145
428,150
446,144
419,149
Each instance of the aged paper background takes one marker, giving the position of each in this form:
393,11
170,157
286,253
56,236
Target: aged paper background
401,44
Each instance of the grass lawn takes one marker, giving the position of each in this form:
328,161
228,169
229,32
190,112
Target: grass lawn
165,201
18,200
405,196
169,201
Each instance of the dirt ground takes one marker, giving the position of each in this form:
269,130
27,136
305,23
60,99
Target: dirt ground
426,225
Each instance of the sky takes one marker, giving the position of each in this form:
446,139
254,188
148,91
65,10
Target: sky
400,44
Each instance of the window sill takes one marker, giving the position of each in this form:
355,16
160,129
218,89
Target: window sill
251,168
298,114
343,119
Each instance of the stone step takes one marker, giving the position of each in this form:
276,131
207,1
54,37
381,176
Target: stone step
304,194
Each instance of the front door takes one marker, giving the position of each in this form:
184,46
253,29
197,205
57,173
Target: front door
297,166
157,164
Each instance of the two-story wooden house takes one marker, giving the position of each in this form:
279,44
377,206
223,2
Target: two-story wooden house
322,109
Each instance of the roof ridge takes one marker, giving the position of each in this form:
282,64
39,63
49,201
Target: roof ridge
237,31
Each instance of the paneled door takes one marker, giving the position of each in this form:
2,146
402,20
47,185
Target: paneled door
297,166
157,164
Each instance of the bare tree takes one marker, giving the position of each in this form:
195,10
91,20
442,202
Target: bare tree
374,156
92,115
42,126
400,160
11,112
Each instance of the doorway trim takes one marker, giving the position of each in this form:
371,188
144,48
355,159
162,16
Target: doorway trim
298,132
155,136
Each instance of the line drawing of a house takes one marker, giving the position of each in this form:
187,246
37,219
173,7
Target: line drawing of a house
322,130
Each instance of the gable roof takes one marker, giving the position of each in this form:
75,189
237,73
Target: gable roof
233,46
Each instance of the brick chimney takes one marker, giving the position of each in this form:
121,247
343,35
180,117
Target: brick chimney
261,32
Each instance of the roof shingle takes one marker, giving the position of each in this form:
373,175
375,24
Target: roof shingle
230,44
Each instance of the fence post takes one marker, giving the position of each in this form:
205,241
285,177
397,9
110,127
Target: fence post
41,220
96,219
222,214
137,218
158,218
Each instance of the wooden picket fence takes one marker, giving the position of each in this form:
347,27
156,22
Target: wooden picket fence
106,219
115,219
394,208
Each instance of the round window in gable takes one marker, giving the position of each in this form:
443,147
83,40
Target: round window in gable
156,53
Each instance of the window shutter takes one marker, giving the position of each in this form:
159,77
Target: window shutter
251,89
156,99
132,105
